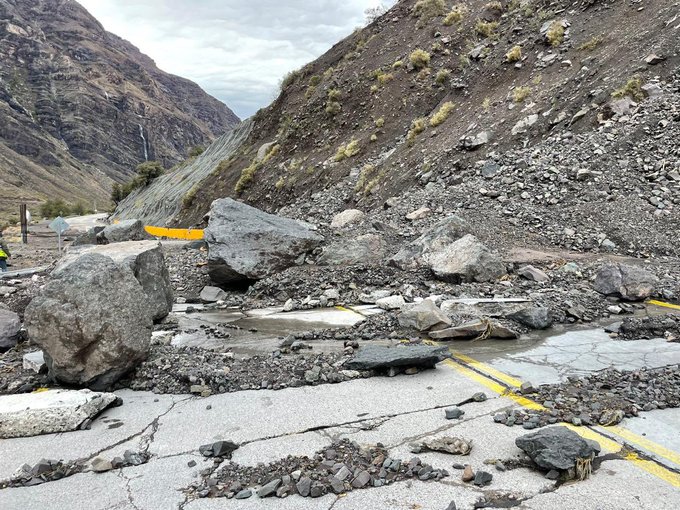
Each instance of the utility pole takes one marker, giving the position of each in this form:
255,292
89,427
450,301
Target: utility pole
24,223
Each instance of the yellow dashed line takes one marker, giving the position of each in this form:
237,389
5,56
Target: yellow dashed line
605,443
665,305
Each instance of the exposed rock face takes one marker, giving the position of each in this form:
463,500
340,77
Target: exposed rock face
434,240
82,104
466,260
245,243
627,282
48,412
127,230
10,325
557,448
366,249
93,322
371,357
145,260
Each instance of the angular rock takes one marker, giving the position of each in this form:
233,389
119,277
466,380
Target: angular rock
365,249
557,448
303,486
92,321
534,274
218,449
146,261
243,494
626,282
347,217
432,241
10,326
534,317
245,243
269,489
468,474
101,465
371,357
422,316
482,478
453,413
361,480
127,230
211,294
391,303
472,143
466,260
452,445
47,412
419,214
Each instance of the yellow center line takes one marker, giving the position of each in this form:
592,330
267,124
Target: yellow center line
645,443
607,444
662,303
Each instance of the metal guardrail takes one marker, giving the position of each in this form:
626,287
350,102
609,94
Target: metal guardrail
187,234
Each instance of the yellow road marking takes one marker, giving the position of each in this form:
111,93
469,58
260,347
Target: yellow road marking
509,380
605,443
661,303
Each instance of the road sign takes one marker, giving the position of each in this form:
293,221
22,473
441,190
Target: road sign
60,226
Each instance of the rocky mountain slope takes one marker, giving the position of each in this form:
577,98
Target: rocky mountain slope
546,122
81,107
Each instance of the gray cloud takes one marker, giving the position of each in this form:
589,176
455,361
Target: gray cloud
237,50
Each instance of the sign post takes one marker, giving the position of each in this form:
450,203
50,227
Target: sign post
60,226
23,214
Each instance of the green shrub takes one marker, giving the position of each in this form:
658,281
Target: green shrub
591,43
196,151
514,55
380,122
486,29
555,34
428,9
456,15
248,173
148,171
520,94
442,114
366,173
632,88
443,76
420,59
347,151
417,127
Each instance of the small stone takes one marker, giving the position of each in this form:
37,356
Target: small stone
452,506
553,474
244,494
100,465
269,488
468,474
337,485
527,388
454,413
304,486
361,480
482,478
191,463
479,397
218,449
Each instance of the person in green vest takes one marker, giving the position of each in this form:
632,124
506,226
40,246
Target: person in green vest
4,254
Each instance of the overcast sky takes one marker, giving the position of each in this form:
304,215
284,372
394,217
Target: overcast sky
237,50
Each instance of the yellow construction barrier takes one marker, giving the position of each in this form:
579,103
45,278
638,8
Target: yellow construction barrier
187,234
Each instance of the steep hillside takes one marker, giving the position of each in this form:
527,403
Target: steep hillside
80,107
527,118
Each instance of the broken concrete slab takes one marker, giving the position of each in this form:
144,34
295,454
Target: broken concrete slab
373,357
46,412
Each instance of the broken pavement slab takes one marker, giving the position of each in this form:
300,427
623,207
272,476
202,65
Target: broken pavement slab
376,357
47,412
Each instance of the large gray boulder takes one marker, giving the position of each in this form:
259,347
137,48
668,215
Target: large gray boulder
372,357
127,230
432,241
557,448
10,325
48,412
92,321
626,282
466,260
146,261
365,249
245,243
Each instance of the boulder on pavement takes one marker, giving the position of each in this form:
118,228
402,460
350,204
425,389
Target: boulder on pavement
372,357
145,260
245,243
10,326
365,249
475,330
92,321
533,317
89,237
47,412
466,260
127,230
347,217
434,240
559,448
626,282
423,316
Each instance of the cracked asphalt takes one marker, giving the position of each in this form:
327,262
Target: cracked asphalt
396,411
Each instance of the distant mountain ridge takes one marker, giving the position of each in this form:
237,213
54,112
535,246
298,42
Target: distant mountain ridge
81,107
